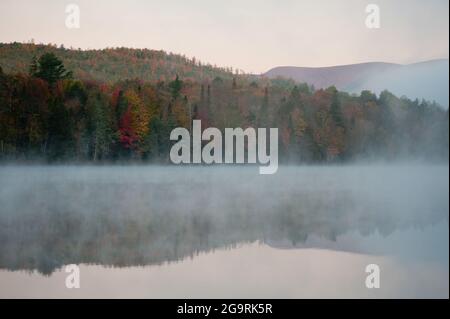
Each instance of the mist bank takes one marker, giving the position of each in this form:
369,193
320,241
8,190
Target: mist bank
427,80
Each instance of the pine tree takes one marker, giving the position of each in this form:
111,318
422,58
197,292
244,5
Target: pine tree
49,68
336,111
33,66
175,87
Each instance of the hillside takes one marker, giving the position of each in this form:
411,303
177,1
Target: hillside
114,64
54,111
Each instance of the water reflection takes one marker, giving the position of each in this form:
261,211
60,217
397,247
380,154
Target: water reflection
133,216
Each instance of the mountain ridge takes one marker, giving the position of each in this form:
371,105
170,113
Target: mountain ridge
422,80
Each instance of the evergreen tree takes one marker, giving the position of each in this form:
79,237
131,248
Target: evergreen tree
49,68
336,111
33,66
175,87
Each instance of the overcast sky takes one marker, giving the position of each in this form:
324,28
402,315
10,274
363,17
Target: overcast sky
253,35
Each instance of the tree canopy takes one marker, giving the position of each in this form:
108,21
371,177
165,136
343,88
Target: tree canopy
49,68
49,115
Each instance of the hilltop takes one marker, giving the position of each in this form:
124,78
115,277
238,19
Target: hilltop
113,64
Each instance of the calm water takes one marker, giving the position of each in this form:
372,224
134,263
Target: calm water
186,232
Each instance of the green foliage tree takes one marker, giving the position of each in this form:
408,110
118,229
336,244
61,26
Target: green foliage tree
175,87
336,111
49,68
100,133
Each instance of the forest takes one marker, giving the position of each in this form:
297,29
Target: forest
120,105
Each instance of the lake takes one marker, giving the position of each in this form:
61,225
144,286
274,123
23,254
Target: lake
222,231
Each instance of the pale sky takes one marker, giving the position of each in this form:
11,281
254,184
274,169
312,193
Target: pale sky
253,35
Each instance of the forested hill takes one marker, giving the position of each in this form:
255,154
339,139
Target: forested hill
111,65
48,111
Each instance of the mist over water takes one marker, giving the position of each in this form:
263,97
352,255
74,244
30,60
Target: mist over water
128,216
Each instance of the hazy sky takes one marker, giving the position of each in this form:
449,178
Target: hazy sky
253,35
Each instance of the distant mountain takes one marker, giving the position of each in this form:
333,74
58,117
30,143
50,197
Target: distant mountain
428,80
343,76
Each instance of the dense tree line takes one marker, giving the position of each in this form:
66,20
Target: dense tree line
49,114
113,64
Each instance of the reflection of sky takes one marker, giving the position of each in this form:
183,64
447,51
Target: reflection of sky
250,271
252,35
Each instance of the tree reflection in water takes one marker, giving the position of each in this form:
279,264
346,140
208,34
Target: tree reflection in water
130,216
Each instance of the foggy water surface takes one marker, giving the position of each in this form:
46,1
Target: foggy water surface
148,231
